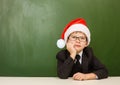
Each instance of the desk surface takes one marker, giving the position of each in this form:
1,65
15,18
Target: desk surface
56,81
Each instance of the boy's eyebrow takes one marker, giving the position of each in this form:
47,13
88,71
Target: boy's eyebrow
77,36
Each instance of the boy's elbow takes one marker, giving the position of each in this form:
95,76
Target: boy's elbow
62,76
102,74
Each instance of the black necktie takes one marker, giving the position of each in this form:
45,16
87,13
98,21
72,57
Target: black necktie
77,66
77,59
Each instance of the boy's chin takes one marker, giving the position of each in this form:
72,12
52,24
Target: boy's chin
78,50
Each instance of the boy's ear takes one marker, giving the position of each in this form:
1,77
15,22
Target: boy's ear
86,44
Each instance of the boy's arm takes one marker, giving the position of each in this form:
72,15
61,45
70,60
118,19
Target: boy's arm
96,66
100,70
64,66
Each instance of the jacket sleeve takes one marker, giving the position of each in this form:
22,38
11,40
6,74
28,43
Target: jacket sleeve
98,68
64,65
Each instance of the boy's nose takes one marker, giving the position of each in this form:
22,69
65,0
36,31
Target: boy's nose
77,39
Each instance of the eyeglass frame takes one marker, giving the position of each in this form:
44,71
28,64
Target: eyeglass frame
80,38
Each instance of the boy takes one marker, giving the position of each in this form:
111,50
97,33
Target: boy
78,60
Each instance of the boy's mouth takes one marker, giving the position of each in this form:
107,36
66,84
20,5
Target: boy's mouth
77,46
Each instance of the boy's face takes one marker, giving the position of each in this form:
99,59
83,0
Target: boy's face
79,40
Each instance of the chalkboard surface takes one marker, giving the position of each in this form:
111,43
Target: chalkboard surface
29,30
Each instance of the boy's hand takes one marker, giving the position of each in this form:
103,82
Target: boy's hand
79,76
71,49
82,76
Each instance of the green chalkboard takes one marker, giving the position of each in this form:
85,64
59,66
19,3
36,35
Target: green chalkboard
29,30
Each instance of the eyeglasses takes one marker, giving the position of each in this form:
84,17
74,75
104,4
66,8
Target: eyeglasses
81,38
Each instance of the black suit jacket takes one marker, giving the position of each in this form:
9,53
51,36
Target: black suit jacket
90,64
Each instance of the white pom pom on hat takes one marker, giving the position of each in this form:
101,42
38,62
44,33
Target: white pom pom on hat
78,24
60,43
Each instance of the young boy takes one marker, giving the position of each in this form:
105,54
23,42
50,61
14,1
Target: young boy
77,60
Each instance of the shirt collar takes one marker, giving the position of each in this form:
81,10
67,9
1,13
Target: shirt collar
81,53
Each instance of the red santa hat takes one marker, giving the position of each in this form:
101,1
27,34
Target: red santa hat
78,24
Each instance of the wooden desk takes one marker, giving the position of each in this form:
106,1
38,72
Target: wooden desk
56,81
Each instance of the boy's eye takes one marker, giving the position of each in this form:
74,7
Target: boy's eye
73,37
82,38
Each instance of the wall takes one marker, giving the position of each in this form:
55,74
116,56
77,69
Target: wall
29,30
